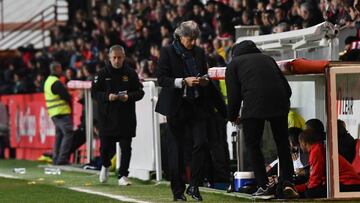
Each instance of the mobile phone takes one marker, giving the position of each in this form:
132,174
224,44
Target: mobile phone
122,93
204,76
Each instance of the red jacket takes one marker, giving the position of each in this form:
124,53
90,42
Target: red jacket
317,163
348,175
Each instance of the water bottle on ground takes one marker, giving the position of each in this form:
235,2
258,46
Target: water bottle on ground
20,170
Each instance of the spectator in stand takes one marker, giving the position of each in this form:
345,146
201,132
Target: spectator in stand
281,27
238,10
246,18
20,83
70,74
138,25
352,49
267,26
280,15
310,14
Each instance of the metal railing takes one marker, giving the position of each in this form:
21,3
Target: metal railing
25,32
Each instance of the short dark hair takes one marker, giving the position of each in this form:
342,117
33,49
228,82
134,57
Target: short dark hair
316,125
310,136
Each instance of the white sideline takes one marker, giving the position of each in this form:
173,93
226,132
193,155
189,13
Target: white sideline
8,176
117,197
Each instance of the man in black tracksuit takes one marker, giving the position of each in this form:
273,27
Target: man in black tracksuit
255,79
116,88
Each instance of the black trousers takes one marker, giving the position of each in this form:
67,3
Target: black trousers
253,130
218,156
175,144
108,150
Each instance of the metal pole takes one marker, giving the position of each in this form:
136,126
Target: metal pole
56,13
43,28
329,171
157,138
2,18
89,125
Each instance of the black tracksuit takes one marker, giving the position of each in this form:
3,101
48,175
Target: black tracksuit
117,119
255,79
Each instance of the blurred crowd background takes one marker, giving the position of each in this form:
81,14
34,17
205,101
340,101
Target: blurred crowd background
143,27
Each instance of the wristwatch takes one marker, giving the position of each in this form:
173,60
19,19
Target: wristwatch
183,82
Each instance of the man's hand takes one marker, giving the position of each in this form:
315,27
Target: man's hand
237,121
123,97
203,81
294,156
113,97
191,81
300,172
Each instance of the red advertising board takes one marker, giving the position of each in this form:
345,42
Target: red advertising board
32,132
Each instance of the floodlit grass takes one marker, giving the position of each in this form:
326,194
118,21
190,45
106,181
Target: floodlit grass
35,186
21,191
140,190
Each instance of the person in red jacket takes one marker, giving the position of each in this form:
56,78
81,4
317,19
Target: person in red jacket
311,142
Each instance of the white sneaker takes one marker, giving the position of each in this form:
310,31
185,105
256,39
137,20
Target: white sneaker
123,181
104,174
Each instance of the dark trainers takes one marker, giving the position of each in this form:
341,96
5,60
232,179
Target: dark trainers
194,193
265,193
289,191
179,198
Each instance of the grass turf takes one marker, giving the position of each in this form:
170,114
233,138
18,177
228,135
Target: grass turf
53,188
140,190
20,191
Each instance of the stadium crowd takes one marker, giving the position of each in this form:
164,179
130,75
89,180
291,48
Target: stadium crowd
144,26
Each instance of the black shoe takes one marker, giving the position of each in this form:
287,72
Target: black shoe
265,193
180,198
289,191
194,193
230,189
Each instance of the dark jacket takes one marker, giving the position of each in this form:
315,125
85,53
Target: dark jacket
171,102
255,79
117,118
346,144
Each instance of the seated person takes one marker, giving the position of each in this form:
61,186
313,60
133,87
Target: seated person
300,158
346,142
316,125
311,142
